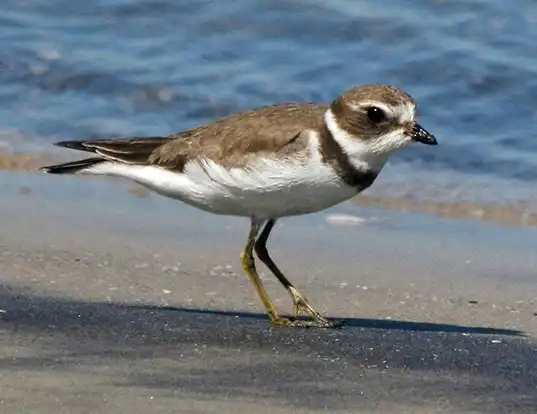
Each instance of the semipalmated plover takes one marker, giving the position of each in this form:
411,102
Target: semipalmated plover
267,163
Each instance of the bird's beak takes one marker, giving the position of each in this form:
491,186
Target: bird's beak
419,134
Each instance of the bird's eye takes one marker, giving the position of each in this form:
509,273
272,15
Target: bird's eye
375,114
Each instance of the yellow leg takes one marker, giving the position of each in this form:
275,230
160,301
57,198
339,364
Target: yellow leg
248,264
300,303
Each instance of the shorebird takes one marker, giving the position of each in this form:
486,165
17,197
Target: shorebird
267,163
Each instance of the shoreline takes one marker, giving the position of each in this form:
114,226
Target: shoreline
514,215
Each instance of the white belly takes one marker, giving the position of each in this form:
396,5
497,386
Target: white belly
267,188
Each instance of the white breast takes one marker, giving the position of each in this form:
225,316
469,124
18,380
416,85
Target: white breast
268,187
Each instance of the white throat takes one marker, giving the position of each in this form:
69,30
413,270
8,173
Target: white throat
370,155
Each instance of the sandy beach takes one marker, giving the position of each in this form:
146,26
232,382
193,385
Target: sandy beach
116,300
113,302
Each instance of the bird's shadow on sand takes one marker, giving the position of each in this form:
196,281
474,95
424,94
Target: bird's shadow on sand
217,354
349,322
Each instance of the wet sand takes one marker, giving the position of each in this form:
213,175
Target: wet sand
115,303
21,162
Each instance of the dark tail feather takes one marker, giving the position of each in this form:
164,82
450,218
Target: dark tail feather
76,145
126,150
71,167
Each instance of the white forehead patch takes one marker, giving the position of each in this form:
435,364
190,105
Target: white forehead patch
405,112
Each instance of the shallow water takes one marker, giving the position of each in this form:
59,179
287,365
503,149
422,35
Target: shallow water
144,67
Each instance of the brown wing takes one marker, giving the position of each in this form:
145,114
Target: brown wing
267,129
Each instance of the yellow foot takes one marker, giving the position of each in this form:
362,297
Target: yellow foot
301,305
299,323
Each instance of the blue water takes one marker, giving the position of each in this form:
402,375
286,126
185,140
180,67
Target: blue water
108,68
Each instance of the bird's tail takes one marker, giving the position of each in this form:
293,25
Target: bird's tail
72,167
133,151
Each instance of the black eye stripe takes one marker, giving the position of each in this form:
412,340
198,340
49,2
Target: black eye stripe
375,114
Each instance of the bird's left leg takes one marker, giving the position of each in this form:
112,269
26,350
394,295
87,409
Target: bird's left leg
300,302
